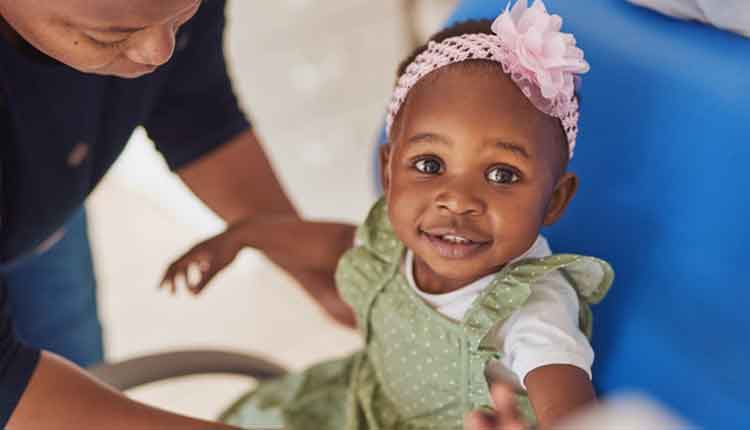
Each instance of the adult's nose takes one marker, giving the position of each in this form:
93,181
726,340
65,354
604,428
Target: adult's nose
153,46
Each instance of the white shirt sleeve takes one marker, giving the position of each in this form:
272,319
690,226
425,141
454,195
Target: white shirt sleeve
545,330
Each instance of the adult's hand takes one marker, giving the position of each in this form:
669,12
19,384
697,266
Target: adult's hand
310,256
238,183
308,251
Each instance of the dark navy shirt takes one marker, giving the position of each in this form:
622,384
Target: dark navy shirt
60,130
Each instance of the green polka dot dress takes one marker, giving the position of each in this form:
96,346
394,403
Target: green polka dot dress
419,370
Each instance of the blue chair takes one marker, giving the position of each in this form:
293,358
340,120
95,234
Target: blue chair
664,161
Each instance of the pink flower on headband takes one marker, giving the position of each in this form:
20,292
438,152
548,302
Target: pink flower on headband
546,55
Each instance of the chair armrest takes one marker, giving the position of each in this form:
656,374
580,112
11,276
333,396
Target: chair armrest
157,367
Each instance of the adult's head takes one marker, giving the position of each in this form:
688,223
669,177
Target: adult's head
125,38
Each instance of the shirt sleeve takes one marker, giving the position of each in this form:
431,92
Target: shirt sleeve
197,110
17,363
545,330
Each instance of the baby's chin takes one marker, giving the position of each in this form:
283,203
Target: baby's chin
459,272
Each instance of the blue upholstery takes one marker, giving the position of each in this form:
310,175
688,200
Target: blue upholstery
664,161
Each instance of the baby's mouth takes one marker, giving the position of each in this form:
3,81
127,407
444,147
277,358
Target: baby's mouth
449,243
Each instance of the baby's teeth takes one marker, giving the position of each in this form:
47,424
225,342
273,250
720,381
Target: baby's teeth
456,239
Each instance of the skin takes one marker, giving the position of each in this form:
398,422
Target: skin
104,37
129,39
507,417
470,156
275,236
61,396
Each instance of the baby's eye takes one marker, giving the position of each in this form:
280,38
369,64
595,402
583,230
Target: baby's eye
429,166
502,175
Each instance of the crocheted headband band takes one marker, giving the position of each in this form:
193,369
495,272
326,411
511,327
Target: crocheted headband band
541,60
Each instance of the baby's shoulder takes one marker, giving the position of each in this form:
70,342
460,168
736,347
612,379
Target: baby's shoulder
590,277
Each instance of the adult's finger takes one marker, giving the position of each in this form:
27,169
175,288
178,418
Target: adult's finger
204,280
169,280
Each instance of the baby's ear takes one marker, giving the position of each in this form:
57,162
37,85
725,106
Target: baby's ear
562,195
385,171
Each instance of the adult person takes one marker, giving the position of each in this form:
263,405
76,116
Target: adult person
76,77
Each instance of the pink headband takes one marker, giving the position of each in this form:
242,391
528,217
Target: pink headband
540,59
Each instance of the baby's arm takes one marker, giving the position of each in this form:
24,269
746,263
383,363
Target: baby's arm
546,350
556,390
547,353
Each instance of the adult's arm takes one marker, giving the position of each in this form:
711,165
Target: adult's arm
39,390
62,396
237,181
204,135
207,140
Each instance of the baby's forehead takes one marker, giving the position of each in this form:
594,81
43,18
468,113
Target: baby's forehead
479,85
480,96
476,100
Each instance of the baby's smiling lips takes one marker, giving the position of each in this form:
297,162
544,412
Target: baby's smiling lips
454,243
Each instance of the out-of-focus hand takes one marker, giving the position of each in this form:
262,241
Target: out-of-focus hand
505,416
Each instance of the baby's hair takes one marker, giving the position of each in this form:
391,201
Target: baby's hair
473,26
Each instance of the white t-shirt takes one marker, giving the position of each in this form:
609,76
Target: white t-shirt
543,331
732,15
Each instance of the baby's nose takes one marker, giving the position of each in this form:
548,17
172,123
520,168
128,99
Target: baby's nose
460,203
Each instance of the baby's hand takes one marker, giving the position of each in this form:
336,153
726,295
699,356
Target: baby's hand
505,416
199,265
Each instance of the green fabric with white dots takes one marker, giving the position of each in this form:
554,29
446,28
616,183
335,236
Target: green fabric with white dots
419,370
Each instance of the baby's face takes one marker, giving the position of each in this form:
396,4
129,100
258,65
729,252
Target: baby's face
469,175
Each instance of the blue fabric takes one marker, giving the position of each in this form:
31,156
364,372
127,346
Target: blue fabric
52,297
17,362
662,155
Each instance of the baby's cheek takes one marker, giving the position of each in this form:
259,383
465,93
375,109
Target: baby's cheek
518,220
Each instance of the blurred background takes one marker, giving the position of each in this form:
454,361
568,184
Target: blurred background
315,77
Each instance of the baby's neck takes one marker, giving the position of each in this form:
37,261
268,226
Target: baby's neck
431,282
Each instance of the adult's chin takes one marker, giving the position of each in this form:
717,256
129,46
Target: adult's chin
134,74
118,68
124,72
